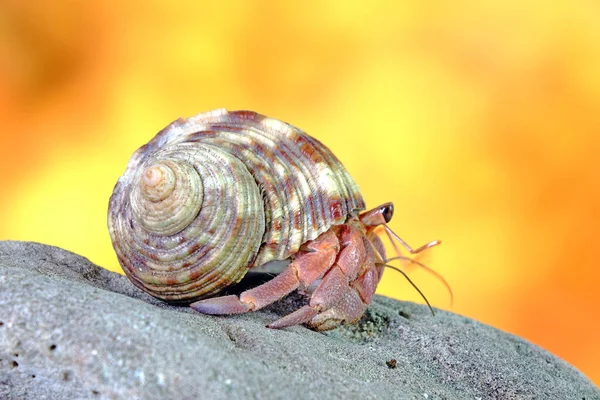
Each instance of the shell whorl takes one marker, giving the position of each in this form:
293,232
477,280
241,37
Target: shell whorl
166,197
213,195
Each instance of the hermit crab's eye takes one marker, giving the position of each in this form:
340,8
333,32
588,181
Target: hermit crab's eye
387,211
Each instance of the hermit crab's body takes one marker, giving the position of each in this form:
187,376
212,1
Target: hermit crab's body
215,195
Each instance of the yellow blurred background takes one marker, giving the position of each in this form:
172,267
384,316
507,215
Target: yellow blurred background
479,120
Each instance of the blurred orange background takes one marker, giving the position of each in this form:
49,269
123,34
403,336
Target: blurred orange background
479,120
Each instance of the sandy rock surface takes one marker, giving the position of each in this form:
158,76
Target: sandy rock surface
72,330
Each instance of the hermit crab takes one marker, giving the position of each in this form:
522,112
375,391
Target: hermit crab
213,196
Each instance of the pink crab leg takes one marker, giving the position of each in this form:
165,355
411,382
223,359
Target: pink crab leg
300,316
366,284
351,258
222,305
324,297
253,299
320,257
334,301
305,269
370,275
349,309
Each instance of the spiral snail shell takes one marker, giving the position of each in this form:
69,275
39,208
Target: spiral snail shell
213,195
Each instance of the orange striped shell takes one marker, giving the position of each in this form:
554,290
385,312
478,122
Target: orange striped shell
214,195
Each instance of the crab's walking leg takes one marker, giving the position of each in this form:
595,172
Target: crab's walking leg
334,301
306,268
323,298
252,299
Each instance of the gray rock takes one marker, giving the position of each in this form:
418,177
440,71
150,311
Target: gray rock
72,330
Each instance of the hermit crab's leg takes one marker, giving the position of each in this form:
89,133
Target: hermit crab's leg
366,283
325,296
349,310
305,269
253,299
300,316
332,303
333,296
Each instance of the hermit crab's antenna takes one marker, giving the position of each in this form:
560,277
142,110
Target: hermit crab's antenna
413,285
428,269
392,235
402,272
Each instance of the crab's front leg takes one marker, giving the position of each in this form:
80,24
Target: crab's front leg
317,257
